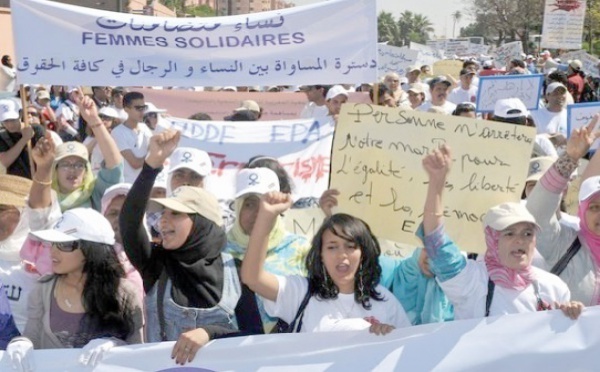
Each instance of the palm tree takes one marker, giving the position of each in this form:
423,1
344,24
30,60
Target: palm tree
422,26
405,24
456,16
387,29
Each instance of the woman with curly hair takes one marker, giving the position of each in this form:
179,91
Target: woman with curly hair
341,291
87,302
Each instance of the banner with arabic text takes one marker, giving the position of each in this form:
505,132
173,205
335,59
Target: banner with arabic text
284,47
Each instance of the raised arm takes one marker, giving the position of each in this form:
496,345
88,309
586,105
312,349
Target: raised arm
437,165
593,168
108,147
254,275
135,238
43,155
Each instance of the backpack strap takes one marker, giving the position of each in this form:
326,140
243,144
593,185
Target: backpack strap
300,314
489,297
562,263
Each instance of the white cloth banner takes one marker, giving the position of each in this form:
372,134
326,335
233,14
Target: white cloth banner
427,54
506,52
541,341
563,24
302,146
395,59
525,87
284,47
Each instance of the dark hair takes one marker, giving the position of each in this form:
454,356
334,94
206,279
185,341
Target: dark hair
106,313
367,277
244,115
5,62
260,161
117,90
200,116
383,89
518,63
521,120
130,97
463,107
559,76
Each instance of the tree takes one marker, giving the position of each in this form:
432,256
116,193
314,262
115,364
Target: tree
409,27
456,16
388,29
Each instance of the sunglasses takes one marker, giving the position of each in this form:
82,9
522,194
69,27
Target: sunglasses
140,108
151,115
67,246
105,118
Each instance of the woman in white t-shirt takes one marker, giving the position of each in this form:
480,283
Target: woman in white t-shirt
343,273
505,282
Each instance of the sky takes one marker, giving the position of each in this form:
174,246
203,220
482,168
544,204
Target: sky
438,12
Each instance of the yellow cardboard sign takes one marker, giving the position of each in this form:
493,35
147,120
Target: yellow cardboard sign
447,67
376,166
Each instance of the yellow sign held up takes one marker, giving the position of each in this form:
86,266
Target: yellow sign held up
376,166
447,67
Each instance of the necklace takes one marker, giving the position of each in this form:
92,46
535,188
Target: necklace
66,300
345,312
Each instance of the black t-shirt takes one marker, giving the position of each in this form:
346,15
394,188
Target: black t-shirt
20,167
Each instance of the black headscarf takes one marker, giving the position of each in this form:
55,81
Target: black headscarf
196,269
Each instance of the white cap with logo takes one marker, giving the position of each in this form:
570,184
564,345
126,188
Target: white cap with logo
8,110
79,224
256,181
190,158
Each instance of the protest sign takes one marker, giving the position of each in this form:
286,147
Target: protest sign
589,63
494,344
427,54
506,52
563,24
580,115
287,46
525,87
302,146
394,59
447,67
376,166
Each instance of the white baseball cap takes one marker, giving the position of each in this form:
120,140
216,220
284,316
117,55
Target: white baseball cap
79,224
8,110
109,112
190,158
335,91
589,187
507,214
112,192
151,108
256,181
510,108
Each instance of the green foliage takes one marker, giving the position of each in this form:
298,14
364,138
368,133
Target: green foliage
400,32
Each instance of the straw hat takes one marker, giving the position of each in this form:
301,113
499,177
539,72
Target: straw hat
14,190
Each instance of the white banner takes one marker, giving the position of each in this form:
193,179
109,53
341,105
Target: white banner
302,146
580,115
563,24
507,52
589,62
283,47
540,341
427,54
394,59
525,87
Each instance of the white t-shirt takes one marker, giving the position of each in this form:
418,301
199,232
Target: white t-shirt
18,284
135,140
121,112
69,111
468,291
460,95
550,122
340,314
448,107
311,110
96,158
8,79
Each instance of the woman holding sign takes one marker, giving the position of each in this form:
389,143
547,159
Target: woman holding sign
573,253
505,282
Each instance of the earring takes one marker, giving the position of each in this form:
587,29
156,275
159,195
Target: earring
361,286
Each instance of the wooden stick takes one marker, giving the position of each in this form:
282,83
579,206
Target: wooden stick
25,105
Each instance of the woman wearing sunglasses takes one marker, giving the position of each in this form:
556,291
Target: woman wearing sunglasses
86,303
